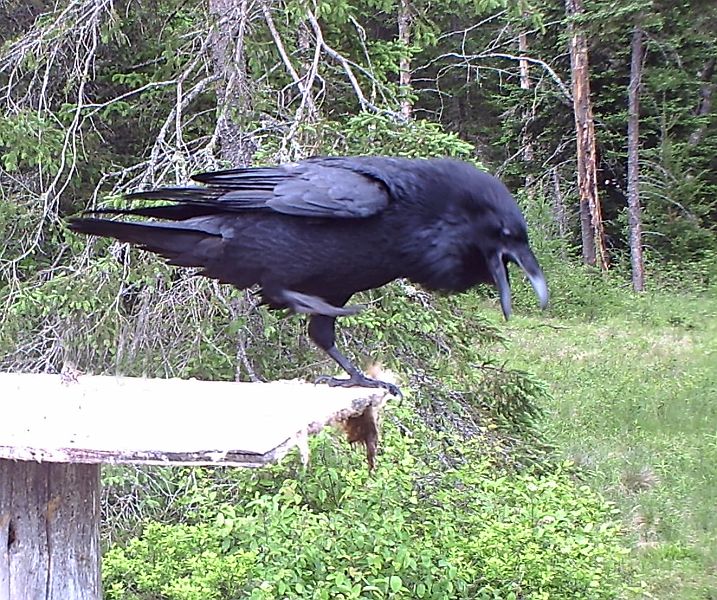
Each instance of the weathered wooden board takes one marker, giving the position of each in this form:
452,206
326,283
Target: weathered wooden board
101,419
49,531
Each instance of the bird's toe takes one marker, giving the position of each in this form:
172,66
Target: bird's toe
362,381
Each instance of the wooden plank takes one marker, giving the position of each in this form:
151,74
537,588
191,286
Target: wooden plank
104,419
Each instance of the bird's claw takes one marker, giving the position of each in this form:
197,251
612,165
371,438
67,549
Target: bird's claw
362,381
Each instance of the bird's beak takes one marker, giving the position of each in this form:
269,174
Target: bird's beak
526,260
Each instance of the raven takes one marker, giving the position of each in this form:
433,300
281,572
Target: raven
313,233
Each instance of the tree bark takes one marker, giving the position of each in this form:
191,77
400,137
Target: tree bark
704,105
525,84
405,23
49,531
233,96
633,170
591,223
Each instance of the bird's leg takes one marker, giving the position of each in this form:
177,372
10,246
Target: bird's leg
321,331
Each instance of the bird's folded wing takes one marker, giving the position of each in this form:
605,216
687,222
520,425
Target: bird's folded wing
306,189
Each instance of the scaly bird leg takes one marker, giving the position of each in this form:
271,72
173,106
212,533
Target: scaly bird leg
322,332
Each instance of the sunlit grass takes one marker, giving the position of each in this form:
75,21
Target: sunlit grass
635,405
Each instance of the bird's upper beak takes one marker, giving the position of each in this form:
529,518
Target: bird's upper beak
526,260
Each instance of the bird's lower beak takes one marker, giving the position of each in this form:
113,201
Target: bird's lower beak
526,260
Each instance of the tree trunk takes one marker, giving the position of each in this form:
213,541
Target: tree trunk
405,23
231,19
49,531
591,224
704,105
525,84
633,169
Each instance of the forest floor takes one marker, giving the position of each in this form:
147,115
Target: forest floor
634,405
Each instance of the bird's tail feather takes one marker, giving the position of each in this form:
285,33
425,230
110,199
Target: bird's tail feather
191,194
193,201
197,201
170,212
176,243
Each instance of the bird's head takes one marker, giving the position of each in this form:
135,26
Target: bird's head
501,234
510,245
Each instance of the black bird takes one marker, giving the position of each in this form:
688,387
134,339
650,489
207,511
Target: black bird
313,233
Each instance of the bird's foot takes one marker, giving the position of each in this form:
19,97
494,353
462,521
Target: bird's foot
360,381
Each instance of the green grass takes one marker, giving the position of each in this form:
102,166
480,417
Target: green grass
634,404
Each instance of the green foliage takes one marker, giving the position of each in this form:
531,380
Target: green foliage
631,404
575,290
679,205
28,140
17,220
450,336
369,133
334,531
375,134
178,562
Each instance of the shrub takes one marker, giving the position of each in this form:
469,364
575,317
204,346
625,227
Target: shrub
417,528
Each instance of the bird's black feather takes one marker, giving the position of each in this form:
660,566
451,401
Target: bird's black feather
313,233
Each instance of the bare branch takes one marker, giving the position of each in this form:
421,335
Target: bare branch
363,101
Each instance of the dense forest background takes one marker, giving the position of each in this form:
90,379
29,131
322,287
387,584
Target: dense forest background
599,117
103,97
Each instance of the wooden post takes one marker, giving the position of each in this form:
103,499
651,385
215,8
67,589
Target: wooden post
49,531
55,433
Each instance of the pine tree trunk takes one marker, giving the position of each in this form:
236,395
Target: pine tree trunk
633,169
49,531
525,84
405,23
591,223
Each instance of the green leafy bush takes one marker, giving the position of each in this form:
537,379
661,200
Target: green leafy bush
417,528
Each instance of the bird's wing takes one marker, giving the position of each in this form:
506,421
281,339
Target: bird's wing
306,189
